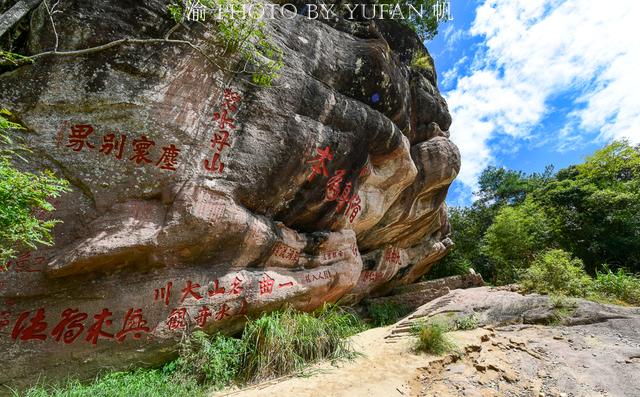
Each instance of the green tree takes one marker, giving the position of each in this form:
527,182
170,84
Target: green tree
517,234
468,226
499,186
595,206
22,196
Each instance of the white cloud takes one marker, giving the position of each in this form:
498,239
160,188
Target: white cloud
535,50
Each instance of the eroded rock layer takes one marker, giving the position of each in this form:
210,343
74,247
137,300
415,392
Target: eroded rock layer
198,198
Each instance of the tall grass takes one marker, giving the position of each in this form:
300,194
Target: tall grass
431,338
280,343
272,345
214,361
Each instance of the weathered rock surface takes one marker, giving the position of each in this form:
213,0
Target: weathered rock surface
159,238
415,295
591,349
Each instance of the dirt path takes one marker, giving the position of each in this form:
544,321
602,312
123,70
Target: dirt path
386,368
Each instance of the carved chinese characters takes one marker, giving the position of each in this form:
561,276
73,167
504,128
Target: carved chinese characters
139,150
348,201
225,124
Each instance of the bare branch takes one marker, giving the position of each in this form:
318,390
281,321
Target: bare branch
132,41
173,29
50,11
16,13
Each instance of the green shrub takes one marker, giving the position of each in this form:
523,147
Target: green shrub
454,264
386,313
138,383
22,196
555,271
465,323
431,338
620,285
214,361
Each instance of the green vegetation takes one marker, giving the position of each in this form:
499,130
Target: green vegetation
386,313
272,345
138,383
426,27
514,238
575,232
555,271
22,196
284,342
214,361
432,338
422,61
563,308
465,323
13,59
618,286
245,36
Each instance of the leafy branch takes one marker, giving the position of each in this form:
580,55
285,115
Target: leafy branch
23,195
245,36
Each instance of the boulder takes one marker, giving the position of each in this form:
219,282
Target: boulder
199,199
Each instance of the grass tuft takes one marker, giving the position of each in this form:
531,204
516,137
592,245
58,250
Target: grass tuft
465,323
432,338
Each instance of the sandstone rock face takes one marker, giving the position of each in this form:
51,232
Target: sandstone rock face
199,199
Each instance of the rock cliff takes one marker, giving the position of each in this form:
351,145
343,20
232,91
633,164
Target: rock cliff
199,198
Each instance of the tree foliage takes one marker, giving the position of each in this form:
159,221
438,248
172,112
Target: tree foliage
239,32
22,196
427,26
517,234
590,210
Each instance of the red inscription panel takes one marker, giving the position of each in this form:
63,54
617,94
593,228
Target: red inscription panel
225,124
392,256
163,294
190,291
319,166
266,284
71,323
332,255
27,262
283,251
114,143
371,276
348,202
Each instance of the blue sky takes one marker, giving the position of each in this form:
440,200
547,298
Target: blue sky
537,82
